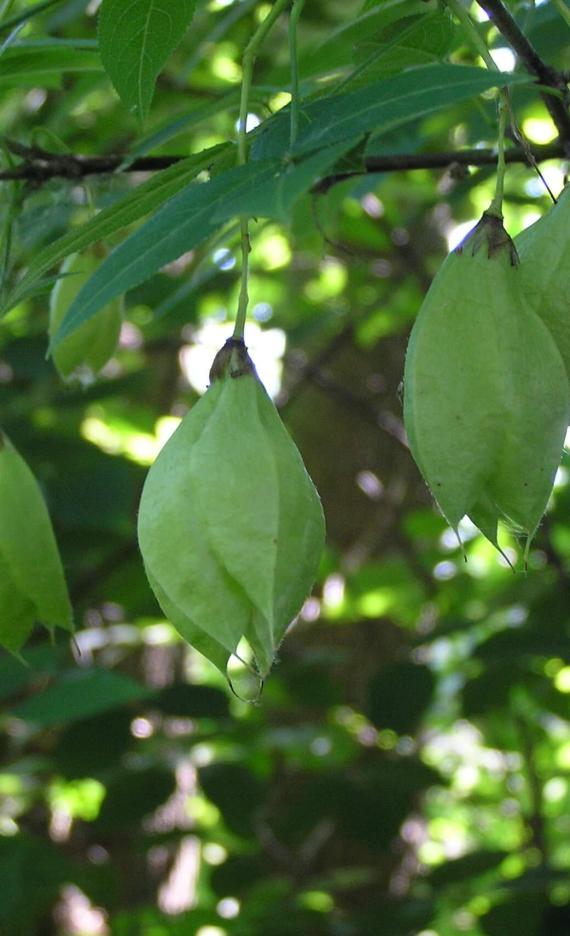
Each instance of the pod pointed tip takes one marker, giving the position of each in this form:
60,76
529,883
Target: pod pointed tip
461,543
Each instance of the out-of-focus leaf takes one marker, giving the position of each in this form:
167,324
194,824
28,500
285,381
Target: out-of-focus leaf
32,872
183,700
398,696
236,792
144,199
134,794
36,64
521,916
35,664
468,866
28,14
79,694
92,745
490,690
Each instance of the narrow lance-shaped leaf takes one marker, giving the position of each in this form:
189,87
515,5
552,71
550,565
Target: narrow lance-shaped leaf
380,106
265,189
133,206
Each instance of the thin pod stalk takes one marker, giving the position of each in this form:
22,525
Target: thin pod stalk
248,63
475,39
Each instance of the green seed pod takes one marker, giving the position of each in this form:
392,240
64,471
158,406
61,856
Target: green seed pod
32,584
487,399
83,353
230,526
544,253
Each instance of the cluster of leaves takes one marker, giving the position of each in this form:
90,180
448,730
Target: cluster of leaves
409,767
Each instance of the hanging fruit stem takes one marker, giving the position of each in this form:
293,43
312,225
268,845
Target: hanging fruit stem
248,62
496,206
472,34
474,37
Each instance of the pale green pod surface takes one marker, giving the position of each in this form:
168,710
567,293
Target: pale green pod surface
17,612
201,641
485,515
86,350
453,410
544,253
261,492
173,542
300,544
230,525
537,412
29,559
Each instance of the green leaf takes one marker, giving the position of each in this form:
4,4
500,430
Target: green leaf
17,672
79,693
266,189
273,197
398,696
185,700
459,870
237,793
36,64
338,48
136,37
31,575
28,14
425,39
133,794
380,106
84,353
131,208
172,128
32,872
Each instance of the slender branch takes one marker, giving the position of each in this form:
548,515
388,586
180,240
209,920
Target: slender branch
40,169
40,166
501,17
405,162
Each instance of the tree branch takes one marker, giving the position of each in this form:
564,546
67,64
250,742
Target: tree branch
501,17
403,162
39,166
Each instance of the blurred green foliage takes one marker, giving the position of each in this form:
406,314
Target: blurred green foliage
408,769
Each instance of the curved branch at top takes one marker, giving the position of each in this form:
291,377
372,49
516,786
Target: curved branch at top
525,51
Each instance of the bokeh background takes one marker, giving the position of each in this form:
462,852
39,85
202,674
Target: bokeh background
407,772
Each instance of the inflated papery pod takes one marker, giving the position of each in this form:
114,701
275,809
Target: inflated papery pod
85,351
486,397
231,527
544,254
32,583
